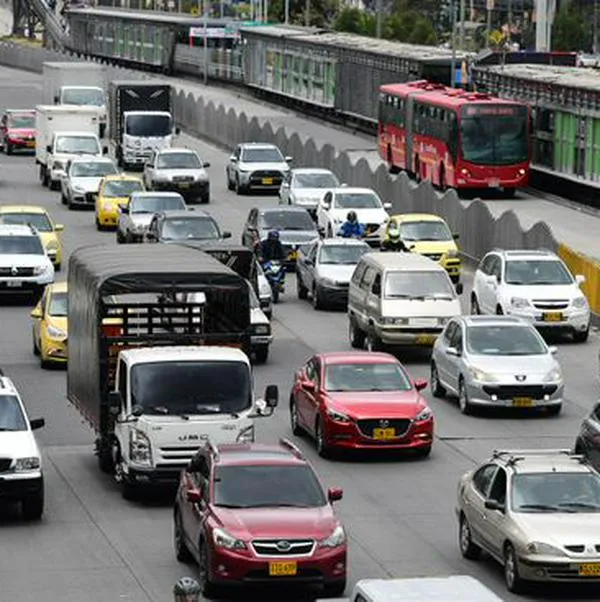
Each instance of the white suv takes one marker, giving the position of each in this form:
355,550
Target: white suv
534,285
24,265
21,477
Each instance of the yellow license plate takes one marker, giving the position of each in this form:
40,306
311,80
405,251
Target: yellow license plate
267,181
523,402
384,434
553,317
426,339
283,569
590,570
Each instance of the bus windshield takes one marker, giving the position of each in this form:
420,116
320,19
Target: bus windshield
492,136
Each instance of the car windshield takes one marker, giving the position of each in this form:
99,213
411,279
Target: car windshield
154,204
199,228
366,377
114,189
262,155
11,415
21,245
58,305
342,254
24,121
315,180
93,169
437,231
267,486
286,220
418,285
39,221
203,387
496,138
83,96
78,145
357,200
505,340
148,126
556,492
178,161
531,272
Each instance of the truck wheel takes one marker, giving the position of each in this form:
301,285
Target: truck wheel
105,457
205,198
53,185
32,507
129,490
261,353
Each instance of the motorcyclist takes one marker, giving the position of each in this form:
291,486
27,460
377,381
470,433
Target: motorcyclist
271,249
393,241
351,228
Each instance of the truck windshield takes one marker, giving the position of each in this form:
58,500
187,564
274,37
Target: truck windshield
148,126
93,97
78,145
193,387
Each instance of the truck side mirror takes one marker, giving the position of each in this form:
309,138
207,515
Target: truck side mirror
105,150
48,149
226,234
115,402
459,288
272,396
177,131
56,100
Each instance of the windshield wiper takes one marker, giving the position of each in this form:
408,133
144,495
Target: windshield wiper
582,505
542,507
275,505
230,506
6,429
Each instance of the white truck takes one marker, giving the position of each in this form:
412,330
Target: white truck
79,84
64,132
155,379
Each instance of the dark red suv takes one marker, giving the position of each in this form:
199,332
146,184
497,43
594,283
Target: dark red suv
257,514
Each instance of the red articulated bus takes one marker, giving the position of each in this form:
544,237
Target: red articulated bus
454,138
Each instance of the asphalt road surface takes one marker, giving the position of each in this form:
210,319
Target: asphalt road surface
92,545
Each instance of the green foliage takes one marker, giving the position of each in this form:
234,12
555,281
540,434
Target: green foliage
320,12
572,30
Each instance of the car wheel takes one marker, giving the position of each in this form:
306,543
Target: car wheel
8,148
321,438
499,311
57,267
32,507
581,337
468,549
514,583
374,343
423,452
554,410
208,589
437,389
329,231
181,550
230,185
63,198
54,185
261,353
129,490
302,290
463,398
334,590
475,310
237,187
294,422
99,226
44,363
356,335
317,302
36,349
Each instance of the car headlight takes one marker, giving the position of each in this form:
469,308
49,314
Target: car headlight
223,539
519,302
481,376
552,376
139,448
27,464
544,549
338,416
328,282
394,321
262,329
56,333
39,269
79,189
426,414
580,302
452,253
246,435
336,539
52,246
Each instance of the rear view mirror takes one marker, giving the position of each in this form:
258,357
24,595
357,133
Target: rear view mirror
37,423
494,505
309,386
37,313
206,164
48,149
59,227
387,206
272,396
226,234
115,402
124,209
553,350
456,236
420,384
288,159
335,494
580,279
452,351
459,288
232,159
177,131
193,495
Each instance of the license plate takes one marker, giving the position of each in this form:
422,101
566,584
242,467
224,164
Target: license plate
267,181
384,434
30,144
283,569
523,402
553,317
184,185
426,339
14,284
494,183
590,570
424,322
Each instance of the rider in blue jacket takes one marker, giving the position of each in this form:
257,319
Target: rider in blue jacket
351,228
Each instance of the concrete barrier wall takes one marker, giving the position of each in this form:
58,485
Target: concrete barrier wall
479,231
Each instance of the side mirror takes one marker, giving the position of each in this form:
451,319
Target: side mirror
105,150
309,386
56,100
580,279
226,234
193,495
115,402
288,159
553,350
387,206
37,423
343,185
59,227
494,505
272,396
420,384
335,494
206,164
285,184
452,351
232,159
456,236
326,206
37,313
49,149
137,411
459,288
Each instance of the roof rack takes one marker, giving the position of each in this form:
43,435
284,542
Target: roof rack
289,445
516,455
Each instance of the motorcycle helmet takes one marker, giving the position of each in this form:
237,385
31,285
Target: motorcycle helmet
352,217
394,231
273,235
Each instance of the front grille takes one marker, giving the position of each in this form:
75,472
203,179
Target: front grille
16,272
576,549
257,177
283,547
512,391
90,197
183,178
433,256
551,304
5,464
400,425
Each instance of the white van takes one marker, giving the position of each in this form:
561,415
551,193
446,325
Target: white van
399,299
456,588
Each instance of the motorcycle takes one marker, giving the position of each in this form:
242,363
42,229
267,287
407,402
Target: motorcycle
275,275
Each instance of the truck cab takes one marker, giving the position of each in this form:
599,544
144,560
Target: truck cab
144,133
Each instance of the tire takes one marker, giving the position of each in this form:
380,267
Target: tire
437,389
443,184
509,193
261,353
105,457
579,448
63,199
230,184
468,549
275,294
208,589
58,267
317,303
44,363
374,343
181,550
53,185
463,399
129,490
581,337
8,149
99,226
294,424
475,309
323,448
236,186
513,581
423,452
301,289
499,311
205,199
554,410
356,336
334,590
36,349
32,507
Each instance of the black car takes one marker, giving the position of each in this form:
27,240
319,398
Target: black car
588,440
294,224
183,227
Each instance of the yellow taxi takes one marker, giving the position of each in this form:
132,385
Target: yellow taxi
429,235
40,219
114,192
50,325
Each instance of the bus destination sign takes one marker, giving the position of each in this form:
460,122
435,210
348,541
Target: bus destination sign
477,110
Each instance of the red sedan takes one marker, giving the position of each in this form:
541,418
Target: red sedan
17,130
360,400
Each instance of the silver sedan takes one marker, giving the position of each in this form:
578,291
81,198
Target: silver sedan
496,361
305,187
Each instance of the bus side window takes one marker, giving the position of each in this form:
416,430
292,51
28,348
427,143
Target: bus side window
453,136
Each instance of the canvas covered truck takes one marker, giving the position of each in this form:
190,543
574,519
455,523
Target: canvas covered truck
155,379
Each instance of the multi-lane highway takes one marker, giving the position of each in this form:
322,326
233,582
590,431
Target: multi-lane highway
94,546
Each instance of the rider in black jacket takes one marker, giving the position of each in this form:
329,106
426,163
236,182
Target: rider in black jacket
393,241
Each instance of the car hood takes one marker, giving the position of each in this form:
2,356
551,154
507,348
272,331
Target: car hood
413,308
279,166
141,219
560,529
309,194
22,132
121,200
533,366
365,216
87,184
546,292
287,523
18,445
174,173
23,260
378,404
339,273
293,237
427,247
